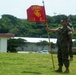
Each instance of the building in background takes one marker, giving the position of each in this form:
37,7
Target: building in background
31,46
3,41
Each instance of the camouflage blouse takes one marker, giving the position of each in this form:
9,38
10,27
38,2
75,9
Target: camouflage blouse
63,36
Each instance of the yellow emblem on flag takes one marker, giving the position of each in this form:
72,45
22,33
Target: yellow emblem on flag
37,13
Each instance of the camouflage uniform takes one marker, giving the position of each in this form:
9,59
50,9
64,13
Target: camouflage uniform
71,43
63,46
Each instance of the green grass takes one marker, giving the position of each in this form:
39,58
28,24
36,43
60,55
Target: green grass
31,64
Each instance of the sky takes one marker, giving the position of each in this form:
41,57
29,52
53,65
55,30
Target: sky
18,8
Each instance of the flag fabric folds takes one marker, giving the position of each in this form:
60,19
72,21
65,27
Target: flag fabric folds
36,13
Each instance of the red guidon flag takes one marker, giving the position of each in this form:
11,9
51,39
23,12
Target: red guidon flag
36,13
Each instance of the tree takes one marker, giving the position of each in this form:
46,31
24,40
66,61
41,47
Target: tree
74,43
42,44
23,28
14,43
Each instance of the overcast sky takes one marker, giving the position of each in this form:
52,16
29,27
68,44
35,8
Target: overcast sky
18,8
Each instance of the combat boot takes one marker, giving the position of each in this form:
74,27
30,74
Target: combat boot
67,70
59,69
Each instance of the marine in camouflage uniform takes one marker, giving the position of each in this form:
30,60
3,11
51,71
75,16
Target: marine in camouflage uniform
69,25
63,47
63,42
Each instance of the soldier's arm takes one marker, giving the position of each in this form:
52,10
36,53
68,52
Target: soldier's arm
51,30
70,34
70,37
72,29
70,47
70,44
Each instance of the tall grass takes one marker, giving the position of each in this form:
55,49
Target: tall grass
31,64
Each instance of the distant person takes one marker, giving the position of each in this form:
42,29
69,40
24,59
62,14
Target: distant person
63,40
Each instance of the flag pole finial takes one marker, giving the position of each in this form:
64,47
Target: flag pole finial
43,2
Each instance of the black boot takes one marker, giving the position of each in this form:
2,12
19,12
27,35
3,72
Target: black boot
59,69
67,70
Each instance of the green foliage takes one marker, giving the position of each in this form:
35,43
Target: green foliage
23,28
74,46
74,52
74,43
14,43
42,44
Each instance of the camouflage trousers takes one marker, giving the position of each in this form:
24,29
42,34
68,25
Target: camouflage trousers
63,56
70,49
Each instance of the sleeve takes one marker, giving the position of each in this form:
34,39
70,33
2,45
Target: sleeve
69,30
59,28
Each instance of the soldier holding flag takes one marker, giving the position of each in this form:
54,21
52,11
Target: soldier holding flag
36,13
63,40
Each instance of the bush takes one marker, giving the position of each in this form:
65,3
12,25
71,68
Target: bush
74,52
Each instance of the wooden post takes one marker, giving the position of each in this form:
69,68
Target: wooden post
50,48
49,41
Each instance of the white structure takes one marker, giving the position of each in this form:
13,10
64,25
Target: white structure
32,44
35,40
3,41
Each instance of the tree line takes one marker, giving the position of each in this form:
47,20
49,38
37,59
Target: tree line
13,44
23,28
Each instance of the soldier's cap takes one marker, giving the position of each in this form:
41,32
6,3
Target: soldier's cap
64,19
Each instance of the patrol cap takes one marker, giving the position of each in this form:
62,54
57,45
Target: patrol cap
64,19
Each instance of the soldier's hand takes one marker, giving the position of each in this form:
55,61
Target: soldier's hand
48,29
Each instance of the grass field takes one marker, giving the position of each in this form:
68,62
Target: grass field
31,64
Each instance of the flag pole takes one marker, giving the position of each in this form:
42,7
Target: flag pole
49,42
